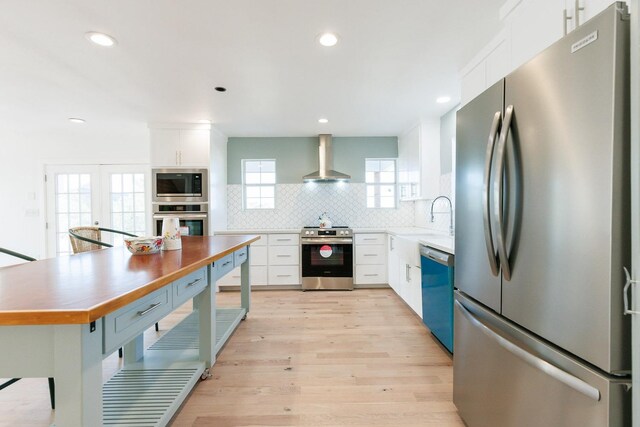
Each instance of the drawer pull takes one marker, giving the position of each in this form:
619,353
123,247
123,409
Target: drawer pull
283,240
283,256
370,254
193,283
242,254
370,239
224,264
284,275
151,308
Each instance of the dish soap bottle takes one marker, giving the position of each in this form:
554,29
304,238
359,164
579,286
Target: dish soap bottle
325,221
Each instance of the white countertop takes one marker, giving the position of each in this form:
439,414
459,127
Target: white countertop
425,236
434,239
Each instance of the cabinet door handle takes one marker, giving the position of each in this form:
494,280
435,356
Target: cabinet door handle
193,283
151,308
177,160
391,243
407,274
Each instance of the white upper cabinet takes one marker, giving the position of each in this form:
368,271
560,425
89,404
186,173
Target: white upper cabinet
529,27
179,147
409,164
419,161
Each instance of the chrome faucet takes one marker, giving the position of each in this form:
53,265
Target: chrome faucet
450,212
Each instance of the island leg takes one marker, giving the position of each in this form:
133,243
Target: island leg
78,374
205,302
245,283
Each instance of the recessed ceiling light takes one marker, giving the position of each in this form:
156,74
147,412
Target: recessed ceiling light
328,39
100,39
323,120
443,99
220,89
76,120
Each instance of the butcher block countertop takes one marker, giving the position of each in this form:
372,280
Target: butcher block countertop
83,288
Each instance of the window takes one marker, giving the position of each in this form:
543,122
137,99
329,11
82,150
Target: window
259,184
381,183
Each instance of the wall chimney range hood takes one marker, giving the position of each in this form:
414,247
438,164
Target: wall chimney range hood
325,157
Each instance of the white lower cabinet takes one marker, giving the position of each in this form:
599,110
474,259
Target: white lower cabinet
258,262
284,259
274,260
405,274
284,275
370,259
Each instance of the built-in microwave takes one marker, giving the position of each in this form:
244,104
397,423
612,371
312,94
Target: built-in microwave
180,185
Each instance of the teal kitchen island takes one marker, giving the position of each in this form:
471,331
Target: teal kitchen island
60,317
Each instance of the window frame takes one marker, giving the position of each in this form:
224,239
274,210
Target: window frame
245,185
377,184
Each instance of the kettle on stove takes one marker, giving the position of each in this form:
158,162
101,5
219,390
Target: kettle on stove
325,221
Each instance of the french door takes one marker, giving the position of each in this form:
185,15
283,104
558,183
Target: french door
109,196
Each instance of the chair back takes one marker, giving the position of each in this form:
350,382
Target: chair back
80,245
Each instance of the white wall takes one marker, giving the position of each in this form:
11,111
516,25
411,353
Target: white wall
23,156
218,181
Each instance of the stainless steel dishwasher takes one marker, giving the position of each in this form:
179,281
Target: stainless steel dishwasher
437,294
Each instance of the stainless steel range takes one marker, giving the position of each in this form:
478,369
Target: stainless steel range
327,258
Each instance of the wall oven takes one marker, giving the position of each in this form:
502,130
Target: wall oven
194,218
180,185
326,258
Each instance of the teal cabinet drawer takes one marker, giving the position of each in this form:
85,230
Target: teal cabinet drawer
240,256
126,323
223,266
189,286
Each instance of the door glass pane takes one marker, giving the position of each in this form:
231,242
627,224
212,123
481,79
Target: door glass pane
72,206
127,210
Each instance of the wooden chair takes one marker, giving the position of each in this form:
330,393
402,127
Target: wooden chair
85,239
52,386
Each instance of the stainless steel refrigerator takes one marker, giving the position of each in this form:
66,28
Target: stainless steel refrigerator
543,233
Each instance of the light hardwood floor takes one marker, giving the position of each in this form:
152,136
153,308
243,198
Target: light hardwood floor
329,358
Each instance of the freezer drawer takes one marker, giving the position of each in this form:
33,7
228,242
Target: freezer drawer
505,377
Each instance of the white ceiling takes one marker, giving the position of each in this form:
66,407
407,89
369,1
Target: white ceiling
394,58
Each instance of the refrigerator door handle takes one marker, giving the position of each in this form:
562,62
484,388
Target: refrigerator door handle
625,291
491,251
498,185
564,377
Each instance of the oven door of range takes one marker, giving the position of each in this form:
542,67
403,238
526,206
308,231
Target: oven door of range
196,223
327,257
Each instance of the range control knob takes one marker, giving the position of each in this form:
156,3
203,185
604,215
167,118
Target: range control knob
306,232
346,232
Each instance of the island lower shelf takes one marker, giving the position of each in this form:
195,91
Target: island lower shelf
149,392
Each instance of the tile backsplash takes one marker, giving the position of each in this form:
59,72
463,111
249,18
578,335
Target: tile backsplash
441,215
298,205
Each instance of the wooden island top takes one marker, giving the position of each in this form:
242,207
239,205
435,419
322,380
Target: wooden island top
84,287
